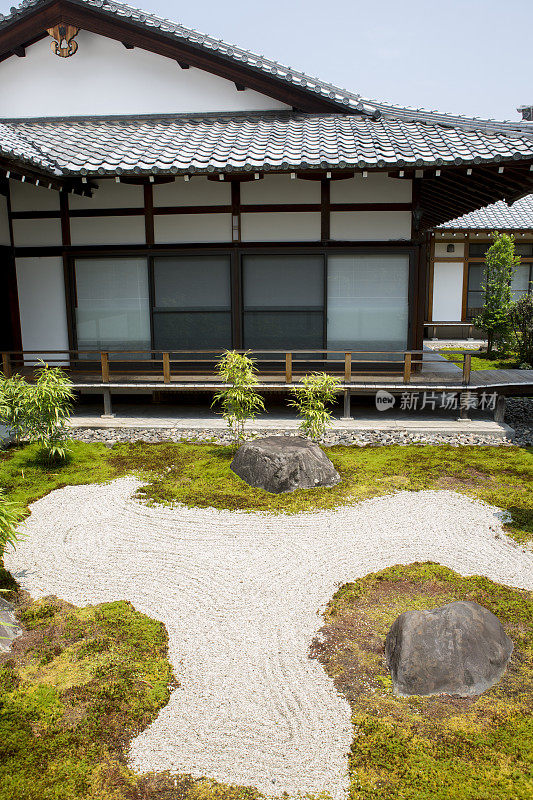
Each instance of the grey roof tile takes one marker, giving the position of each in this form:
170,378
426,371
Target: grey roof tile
270,140
499,215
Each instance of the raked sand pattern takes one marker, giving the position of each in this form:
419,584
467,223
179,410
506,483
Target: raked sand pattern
241,596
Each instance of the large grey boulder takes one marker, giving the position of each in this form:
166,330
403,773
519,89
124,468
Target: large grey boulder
9,627
460,648
284,463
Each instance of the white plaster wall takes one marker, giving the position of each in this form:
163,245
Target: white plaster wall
110,194
377,187
440,250
174,228
447,291
280,227
37,232
107,230
105,78
198,191
41,292
280,189
370,225
5,238
28,197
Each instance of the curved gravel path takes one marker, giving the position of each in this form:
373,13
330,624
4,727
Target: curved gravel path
240,595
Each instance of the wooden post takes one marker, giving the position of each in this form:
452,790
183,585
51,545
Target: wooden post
499,411
467,365
6,365
166,367
104,358
348,367
406,367
288,367
108,408
470,331
347,404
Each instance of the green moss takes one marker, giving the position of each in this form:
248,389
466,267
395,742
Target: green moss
73,692
422,748
481,361
200,475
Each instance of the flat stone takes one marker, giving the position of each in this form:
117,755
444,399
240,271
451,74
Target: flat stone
283,464
9,628
460,648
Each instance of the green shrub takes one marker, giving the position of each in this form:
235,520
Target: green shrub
239,401
500,266
522,324
39,411
10,516
14,394
311,396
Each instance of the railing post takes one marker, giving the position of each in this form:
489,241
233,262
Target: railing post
104,358
166,367
6,365
467,365
347,367
407,367
288,367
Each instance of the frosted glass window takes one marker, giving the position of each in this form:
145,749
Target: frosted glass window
276,281
113,309
283,302
520,281
192,303
368,302
192,282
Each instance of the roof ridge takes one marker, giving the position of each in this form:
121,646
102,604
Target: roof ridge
353,102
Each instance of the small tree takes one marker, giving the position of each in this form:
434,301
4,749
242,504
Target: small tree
239,401
522,325
500,265
38,411
311,396
50,407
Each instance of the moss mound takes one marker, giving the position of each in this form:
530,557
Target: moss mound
430,748
76,688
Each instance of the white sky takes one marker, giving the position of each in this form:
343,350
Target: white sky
470,57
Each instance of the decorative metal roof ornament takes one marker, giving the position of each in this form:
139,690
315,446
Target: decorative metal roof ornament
64,44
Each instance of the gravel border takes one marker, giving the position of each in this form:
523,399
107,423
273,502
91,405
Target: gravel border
241,597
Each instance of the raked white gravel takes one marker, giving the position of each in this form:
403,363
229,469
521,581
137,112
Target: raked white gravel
241,596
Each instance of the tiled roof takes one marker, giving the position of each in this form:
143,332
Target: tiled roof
354,103
267,141
13,144
497,216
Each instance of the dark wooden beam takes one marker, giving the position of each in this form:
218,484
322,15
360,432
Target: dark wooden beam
128,46
240,87
183,65
20,52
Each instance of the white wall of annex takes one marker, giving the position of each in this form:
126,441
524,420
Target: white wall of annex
105,78
370,225
109,194
377,187
37,232
441,250
5,238
198,191
447,291
41,291
190,228
280,189
107,230
284,226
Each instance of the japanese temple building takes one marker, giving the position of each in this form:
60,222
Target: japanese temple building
162,190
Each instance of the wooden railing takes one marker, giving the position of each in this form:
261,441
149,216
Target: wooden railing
114,365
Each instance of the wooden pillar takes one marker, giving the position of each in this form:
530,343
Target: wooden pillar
347,414
499,410
108,408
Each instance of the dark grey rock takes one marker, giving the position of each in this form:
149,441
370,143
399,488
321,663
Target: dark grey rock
284,463
9,628
460,648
